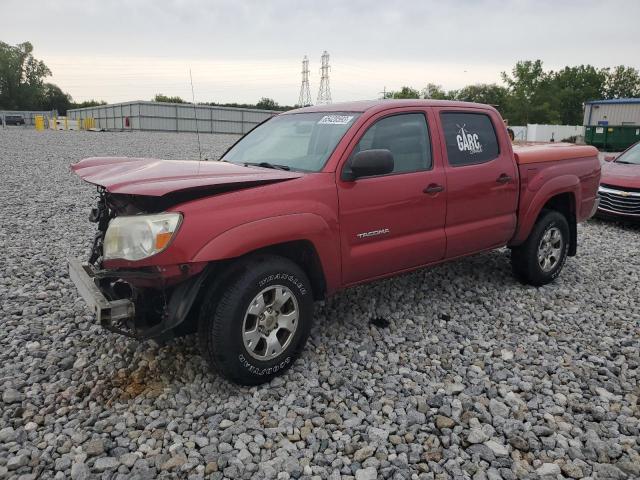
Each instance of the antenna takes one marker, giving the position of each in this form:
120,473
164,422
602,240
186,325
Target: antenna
305,95
324,94
195,116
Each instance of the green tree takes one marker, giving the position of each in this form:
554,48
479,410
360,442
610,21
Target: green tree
436,92
166,99
622,82
88,103
21,77
572,86
273,106
526,77
529,100
53,98
405,92
267,104
487,93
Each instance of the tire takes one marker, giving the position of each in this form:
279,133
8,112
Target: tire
236,329
550,238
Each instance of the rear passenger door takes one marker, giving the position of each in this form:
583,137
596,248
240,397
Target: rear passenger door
482,182
392,222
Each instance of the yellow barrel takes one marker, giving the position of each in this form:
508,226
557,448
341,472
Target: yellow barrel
39,121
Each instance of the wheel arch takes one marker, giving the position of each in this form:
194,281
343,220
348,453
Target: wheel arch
561,194
221,272
305,238
304,254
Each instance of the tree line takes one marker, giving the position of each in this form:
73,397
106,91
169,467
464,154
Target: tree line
23,86
529,94
264,103
532,95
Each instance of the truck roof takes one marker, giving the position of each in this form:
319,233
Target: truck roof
378,105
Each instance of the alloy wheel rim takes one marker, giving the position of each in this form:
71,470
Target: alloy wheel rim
550,249
270,322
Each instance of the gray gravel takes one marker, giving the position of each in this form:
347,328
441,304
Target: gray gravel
475,377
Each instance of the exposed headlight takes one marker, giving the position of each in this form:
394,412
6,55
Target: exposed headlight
139,236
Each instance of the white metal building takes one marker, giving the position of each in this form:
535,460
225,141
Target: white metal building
544,133
172,117
614,112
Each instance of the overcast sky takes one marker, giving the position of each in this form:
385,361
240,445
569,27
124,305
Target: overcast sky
121,50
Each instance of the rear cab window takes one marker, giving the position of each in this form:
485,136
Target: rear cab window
470,138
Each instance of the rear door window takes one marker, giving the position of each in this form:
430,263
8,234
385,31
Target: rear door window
470,138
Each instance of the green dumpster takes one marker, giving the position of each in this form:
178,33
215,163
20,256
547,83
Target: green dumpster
612,138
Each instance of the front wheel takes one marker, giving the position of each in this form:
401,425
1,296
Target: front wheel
258,325
539,260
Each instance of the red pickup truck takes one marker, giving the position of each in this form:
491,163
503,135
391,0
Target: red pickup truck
313,201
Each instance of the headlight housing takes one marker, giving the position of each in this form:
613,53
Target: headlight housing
139,236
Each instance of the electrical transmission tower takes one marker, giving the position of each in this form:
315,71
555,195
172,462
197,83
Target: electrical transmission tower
324,94
305,95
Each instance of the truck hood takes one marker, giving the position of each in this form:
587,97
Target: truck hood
621,175
155,178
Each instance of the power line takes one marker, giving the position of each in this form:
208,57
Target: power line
324,93
305,94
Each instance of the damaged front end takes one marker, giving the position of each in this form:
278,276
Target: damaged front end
142,303
139,194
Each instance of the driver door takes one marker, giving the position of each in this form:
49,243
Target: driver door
393,222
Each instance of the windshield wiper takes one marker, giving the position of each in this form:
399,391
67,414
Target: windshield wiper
626,163
275,166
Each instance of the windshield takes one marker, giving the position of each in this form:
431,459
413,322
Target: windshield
631,156
298,141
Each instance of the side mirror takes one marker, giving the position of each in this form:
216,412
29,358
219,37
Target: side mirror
368,163
609,158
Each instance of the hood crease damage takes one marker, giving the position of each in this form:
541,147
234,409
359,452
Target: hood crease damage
159,178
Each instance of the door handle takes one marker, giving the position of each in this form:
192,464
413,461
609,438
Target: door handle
433,188
504,178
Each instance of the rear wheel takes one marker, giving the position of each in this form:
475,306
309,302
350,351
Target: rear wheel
539,260
259,324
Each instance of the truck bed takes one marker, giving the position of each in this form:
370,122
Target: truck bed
531,152
551,169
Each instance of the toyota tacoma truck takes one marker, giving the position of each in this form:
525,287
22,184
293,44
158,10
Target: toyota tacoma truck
311,202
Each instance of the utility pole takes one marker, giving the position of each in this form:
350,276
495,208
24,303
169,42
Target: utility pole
384,93
304,99
324,94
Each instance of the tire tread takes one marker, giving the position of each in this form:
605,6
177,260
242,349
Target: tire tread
214,323
524,257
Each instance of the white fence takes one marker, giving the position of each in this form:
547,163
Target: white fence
519,133
172,117
547,133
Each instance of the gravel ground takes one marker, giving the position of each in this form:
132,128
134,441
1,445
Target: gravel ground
475,376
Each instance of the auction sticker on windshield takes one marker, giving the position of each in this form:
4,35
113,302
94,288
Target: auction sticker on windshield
335,119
